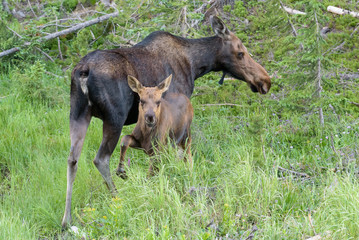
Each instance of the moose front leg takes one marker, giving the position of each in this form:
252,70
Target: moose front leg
126,141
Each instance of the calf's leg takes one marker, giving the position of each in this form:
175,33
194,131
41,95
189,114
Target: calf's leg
186,145
188,156
126,141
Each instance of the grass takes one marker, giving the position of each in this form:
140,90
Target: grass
234,185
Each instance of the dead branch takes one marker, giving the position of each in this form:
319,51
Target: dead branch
304,175
184,24
6,6
64,32
45,54
128,41
253,230
222,104
201,9
316,237
10,51
354,103
79,26
53,74
32,10
319,75
291,10
14,32
341,45
59,44
340,11
290,23
53,24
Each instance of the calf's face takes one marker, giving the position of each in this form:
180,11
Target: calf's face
235,59
150,99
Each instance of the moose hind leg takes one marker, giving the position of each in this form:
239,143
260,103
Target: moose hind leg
78,130
110,138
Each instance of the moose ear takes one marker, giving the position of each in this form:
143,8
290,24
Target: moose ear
219,27
134,84
165,84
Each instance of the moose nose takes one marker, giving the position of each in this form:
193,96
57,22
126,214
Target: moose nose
266,86
150,119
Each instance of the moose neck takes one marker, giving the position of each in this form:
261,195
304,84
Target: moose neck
203,55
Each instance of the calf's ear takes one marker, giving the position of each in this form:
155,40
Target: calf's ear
134,84
165,84
219,28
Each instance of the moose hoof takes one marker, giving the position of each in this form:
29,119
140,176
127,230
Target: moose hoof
121,173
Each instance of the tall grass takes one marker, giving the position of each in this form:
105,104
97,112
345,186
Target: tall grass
234,184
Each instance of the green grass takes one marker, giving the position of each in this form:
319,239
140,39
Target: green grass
235,182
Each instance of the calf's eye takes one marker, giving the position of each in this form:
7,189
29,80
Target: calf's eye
240,55
158,103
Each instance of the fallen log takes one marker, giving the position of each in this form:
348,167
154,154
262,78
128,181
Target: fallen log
63,32
340,11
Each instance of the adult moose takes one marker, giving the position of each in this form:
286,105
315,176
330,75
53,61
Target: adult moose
99,85
159,118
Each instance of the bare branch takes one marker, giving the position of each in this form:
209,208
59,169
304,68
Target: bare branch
79,26
293,172
53,74
291,24
6,6
32,10
291,10
222,104
64,32
14,32
340,11
56,25
319,74
46,55
59,44
341,45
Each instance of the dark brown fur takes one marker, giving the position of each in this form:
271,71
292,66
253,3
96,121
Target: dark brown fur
99,85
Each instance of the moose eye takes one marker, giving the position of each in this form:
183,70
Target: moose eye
240,55
142,102
158,103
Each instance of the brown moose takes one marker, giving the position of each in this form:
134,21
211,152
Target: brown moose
99,85
159,118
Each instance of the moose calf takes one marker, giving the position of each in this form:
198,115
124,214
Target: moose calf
159,118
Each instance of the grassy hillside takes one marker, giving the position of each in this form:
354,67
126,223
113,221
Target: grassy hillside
264,166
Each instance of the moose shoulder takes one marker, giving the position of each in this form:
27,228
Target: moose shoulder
99,85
